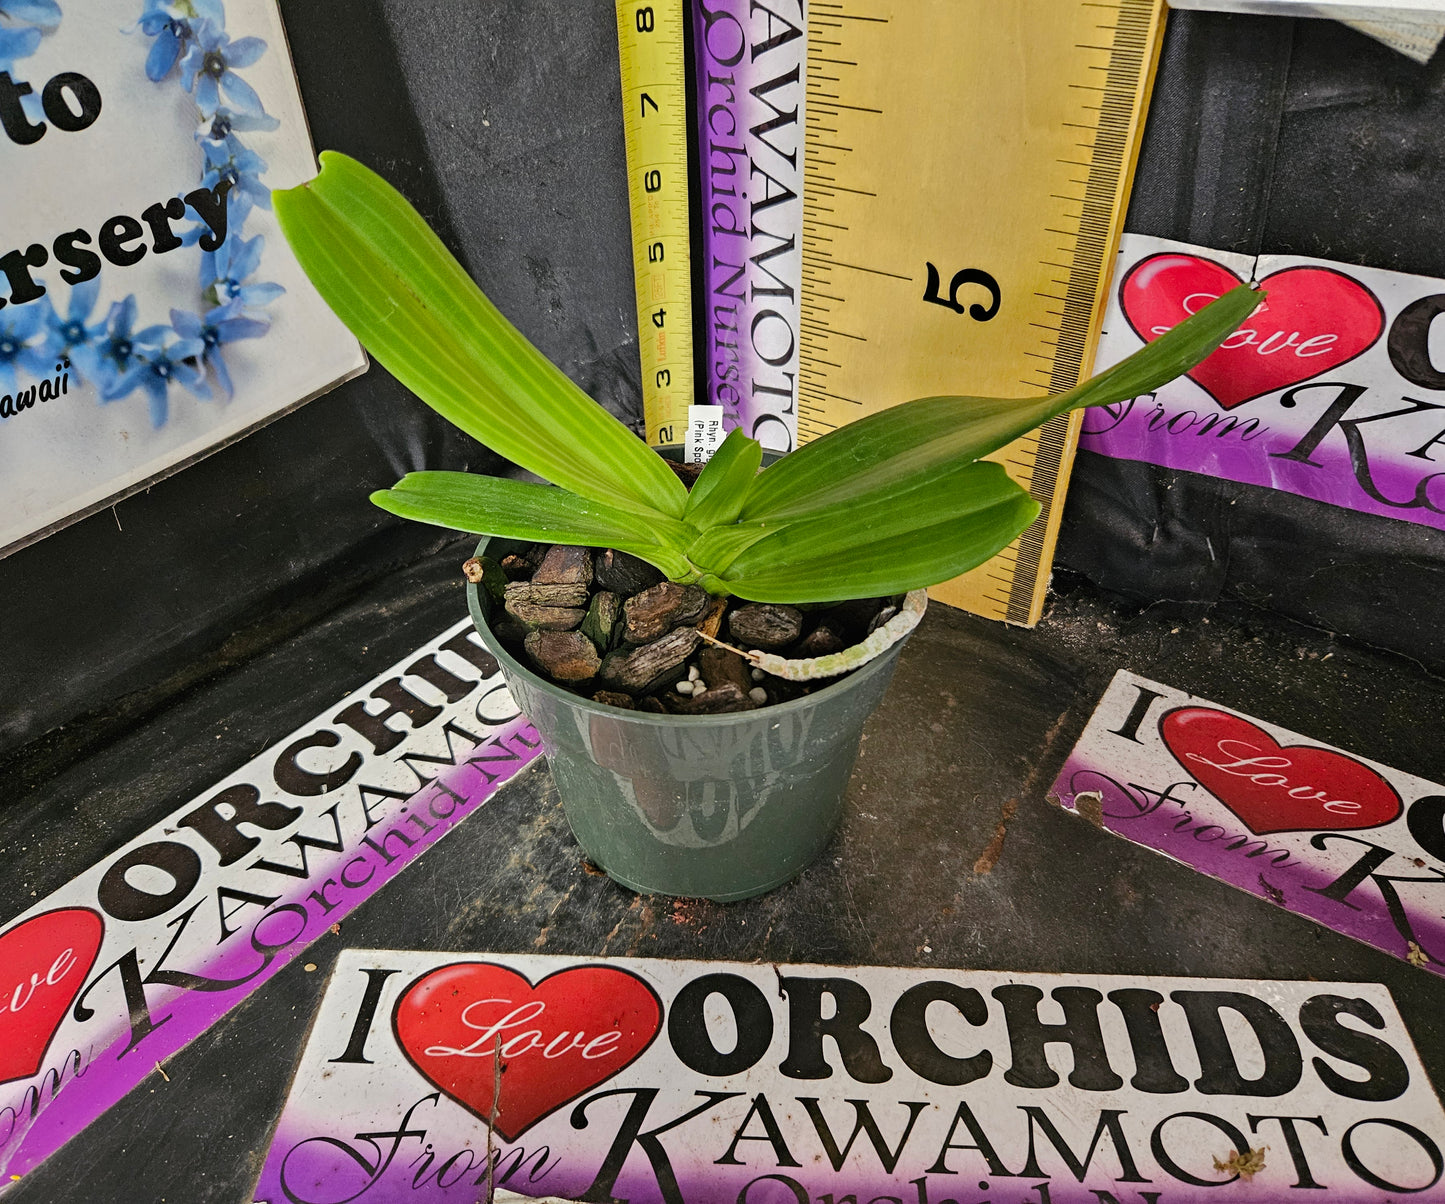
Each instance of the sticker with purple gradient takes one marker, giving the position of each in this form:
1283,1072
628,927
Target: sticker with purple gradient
1334,390
443,1077
750,90
110,975
1355,845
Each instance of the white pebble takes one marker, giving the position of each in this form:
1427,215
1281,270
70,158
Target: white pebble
699,686
692,673
758,694
758,675
684,687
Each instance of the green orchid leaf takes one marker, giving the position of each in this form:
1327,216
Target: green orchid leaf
882,451
718,547
890,566
897,500
937,497
968,489
720,490
390,279
521,510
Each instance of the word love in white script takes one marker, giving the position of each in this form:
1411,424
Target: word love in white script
25,990
1270,344
1254,768
526,1041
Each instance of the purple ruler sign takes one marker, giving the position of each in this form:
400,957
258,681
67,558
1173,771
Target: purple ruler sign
440,1078
1335,390
751,64
1355,845
107,977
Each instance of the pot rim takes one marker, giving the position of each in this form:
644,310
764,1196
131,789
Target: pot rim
879,663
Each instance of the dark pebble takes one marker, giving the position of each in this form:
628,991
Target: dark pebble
565,564
765,625
547,618
623,574
882,617
566,655
711,622
821,641
615,698
548,607
638,670
517,568
719,700
547,595
850,620
659,609
720,666
601,622
686,473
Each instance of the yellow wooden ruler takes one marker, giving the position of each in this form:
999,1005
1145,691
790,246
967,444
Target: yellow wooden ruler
654,111
968,163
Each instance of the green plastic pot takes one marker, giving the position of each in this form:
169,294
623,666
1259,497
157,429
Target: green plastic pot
719,807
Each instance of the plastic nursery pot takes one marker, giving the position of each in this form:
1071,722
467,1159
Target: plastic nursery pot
719,807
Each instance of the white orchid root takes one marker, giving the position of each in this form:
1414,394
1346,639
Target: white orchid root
834,663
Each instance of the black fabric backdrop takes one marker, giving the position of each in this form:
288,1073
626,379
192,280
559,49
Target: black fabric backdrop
1284,137
498,119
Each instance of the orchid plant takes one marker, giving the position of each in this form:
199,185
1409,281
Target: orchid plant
895,501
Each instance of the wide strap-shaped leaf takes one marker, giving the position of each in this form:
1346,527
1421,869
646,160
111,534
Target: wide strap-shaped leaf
717,547
885,566
390,279
960,489
718,494
876,453
521,510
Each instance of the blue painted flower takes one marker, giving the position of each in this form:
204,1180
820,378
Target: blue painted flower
42,13
211,61
180,361
171,33
171,36
170,22
116,357
219,130
22,342
70,337
22,24
243,169
224,273
219,327
17,44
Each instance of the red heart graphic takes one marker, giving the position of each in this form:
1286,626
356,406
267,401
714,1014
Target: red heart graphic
1274,787
573,1030
43,964
1315,319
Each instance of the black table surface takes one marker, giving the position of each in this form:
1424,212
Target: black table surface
949,854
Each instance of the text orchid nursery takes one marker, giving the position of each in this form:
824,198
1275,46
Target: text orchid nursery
71,103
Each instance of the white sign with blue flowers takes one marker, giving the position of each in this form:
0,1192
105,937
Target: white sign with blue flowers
150,310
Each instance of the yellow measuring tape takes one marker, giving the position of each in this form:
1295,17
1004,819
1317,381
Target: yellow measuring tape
968,163
654,110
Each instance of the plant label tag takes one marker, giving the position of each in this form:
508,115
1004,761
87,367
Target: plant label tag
107,977
440,1077
1357,846
704,432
